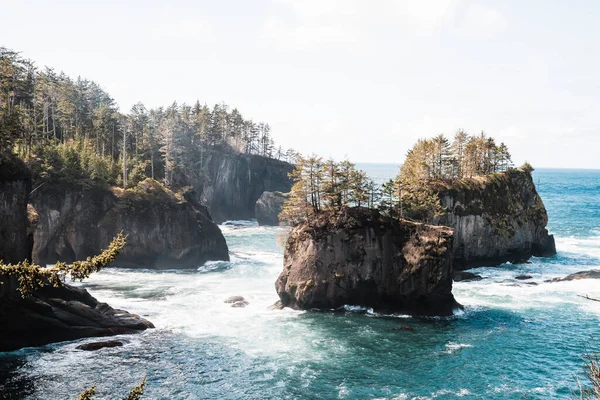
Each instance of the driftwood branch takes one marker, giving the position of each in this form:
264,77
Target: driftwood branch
588,297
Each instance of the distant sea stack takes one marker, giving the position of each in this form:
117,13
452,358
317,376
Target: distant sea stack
234,182
163,230
359,257
268,207
496,219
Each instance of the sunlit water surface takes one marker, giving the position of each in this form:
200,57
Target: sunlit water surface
514,340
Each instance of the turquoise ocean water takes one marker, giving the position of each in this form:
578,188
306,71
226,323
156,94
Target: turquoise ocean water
513,340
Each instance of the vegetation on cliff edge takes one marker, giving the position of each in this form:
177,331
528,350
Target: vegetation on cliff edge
72,130
431,164
32,277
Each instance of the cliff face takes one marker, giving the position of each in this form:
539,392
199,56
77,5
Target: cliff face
496,219
55,314
363,258
233,182
163,231
15,185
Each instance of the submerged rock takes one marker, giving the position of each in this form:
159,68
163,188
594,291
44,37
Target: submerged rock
55,314
591,274
360,257
464,276
268,207
496,219
163,230
99,345
523,277
235,299
404,328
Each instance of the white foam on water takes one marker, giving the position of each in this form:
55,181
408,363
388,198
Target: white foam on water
588,246
192,302
452,347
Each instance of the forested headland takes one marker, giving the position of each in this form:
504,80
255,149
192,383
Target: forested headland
327,185
71,129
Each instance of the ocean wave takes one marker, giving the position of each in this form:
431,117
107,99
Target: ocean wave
588,246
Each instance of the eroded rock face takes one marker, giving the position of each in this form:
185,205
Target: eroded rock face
362,258
268,207
233,183
162,232
15,185
496,219
52,314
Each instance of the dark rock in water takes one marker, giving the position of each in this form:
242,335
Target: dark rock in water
55,314
240,304
463,276
277,306
496,219
15,185
591,274
234,299
522,261
230,184
360,257
163,230
268,207
99,345
404,328
523,277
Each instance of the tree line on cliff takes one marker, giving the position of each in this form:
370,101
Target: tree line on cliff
331,186
73,129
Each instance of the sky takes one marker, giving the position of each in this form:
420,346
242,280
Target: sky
362,79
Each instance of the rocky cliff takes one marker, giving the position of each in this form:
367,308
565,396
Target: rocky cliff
15,185
232,183
54,314
496,219
268,207
363,258
163,230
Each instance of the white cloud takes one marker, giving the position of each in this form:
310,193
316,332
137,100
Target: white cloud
184,29
425,15
322,22
322,9
484,19
304,36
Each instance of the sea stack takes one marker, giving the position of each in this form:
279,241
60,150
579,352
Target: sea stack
496,218
360,257
268,207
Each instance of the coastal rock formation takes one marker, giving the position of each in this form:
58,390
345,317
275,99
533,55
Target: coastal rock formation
496,219
163,230
54,314
232,183
268,207
591,274
360,257
464,276
15,185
